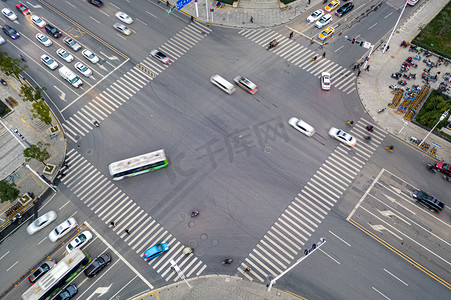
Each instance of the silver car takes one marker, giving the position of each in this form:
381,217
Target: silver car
41,222
122,28
246,84
160,56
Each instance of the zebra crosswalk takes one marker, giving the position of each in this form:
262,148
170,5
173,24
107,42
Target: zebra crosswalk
109,203
302,57
277,250
119,92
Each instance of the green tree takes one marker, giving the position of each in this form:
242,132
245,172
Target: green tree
41,111
8,191
10,66
31,94
38,152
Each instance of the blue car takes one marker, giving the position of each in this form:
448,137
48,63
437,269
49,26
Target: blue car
155,251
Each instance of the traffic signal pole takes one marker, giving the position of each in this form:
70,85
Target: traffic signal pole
306,252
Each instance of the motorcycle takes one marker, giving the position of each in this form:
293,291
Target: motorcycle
272,44
396,75
431,168
3,82
195,213
393,87
95,122
402,82
227,261
381,110
417,57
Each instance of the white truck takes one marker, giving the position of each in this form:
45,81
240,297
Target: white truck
70,77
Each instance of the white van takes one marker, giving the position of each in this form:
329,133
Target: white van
70,77
222,84
301,126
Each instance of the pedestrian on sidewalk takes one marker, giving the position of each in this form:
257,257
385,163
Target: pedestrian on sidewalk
311,41
252,19
112,224
358,73
167,3
291,35
308,1
388,47
126,231
324,54
367,68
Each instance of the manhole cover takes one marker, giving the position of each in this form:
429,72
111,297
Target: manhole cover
204,236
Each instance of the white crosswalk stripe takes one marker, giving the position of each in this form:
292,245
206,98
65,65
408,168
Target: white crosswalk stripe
132,82
277,250
110,204
301,57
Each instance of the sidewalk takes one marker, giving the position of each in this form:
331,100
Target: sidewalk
373,86
13,143
217,287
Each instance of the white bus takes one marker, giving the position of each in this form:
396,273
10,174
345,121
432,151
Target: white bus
138,165
53,281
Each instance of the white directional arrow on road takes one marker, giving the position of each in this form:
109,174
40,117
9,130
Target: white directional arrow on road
389,213
379,228
62,94
99,290
102,67
109,57
34,6
393,200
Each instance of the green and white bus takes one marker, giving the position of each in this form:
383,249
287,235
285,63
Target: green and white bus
54,280
138,165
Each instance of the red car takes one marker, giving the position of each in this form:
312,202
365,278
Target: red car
444,168
23,9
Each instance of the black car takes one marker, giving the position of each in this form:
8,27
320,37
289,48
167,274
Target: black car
344,9
10,31
428,201
97,3
53,31
67,293
97,265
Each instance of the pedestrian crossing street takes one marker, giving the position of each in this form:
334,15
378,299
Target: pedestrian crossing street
277,250
133,81
302,57
110,204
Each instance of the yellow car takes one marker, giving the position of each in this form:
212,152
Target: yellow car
333,5
326,33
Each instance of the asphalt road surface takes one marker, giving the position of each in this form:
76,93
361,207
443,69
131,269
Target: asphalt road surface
265,192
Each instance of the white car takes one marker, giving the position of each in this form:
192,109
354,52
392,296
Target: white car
38,21
301,126
315,16
122,28
44,39
41,222
326,19
62,229
90,56
124,17
342,136
83,69
49,62
9,14
325,81
64,55
79,241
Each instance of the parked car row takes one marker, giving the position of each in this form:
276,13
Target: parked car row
320,19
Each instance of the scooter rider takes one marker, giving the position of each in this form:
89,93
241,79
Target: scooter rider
95,122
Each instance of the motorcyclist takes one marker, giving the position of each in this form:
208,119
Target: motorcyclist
95,122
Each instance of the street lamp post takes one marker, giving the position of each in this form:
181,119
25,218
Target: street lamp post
307,252
394,28
442,117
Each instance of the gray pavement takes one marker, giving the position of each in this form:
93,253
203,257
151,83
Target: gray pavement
218,287
372,88
12,160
